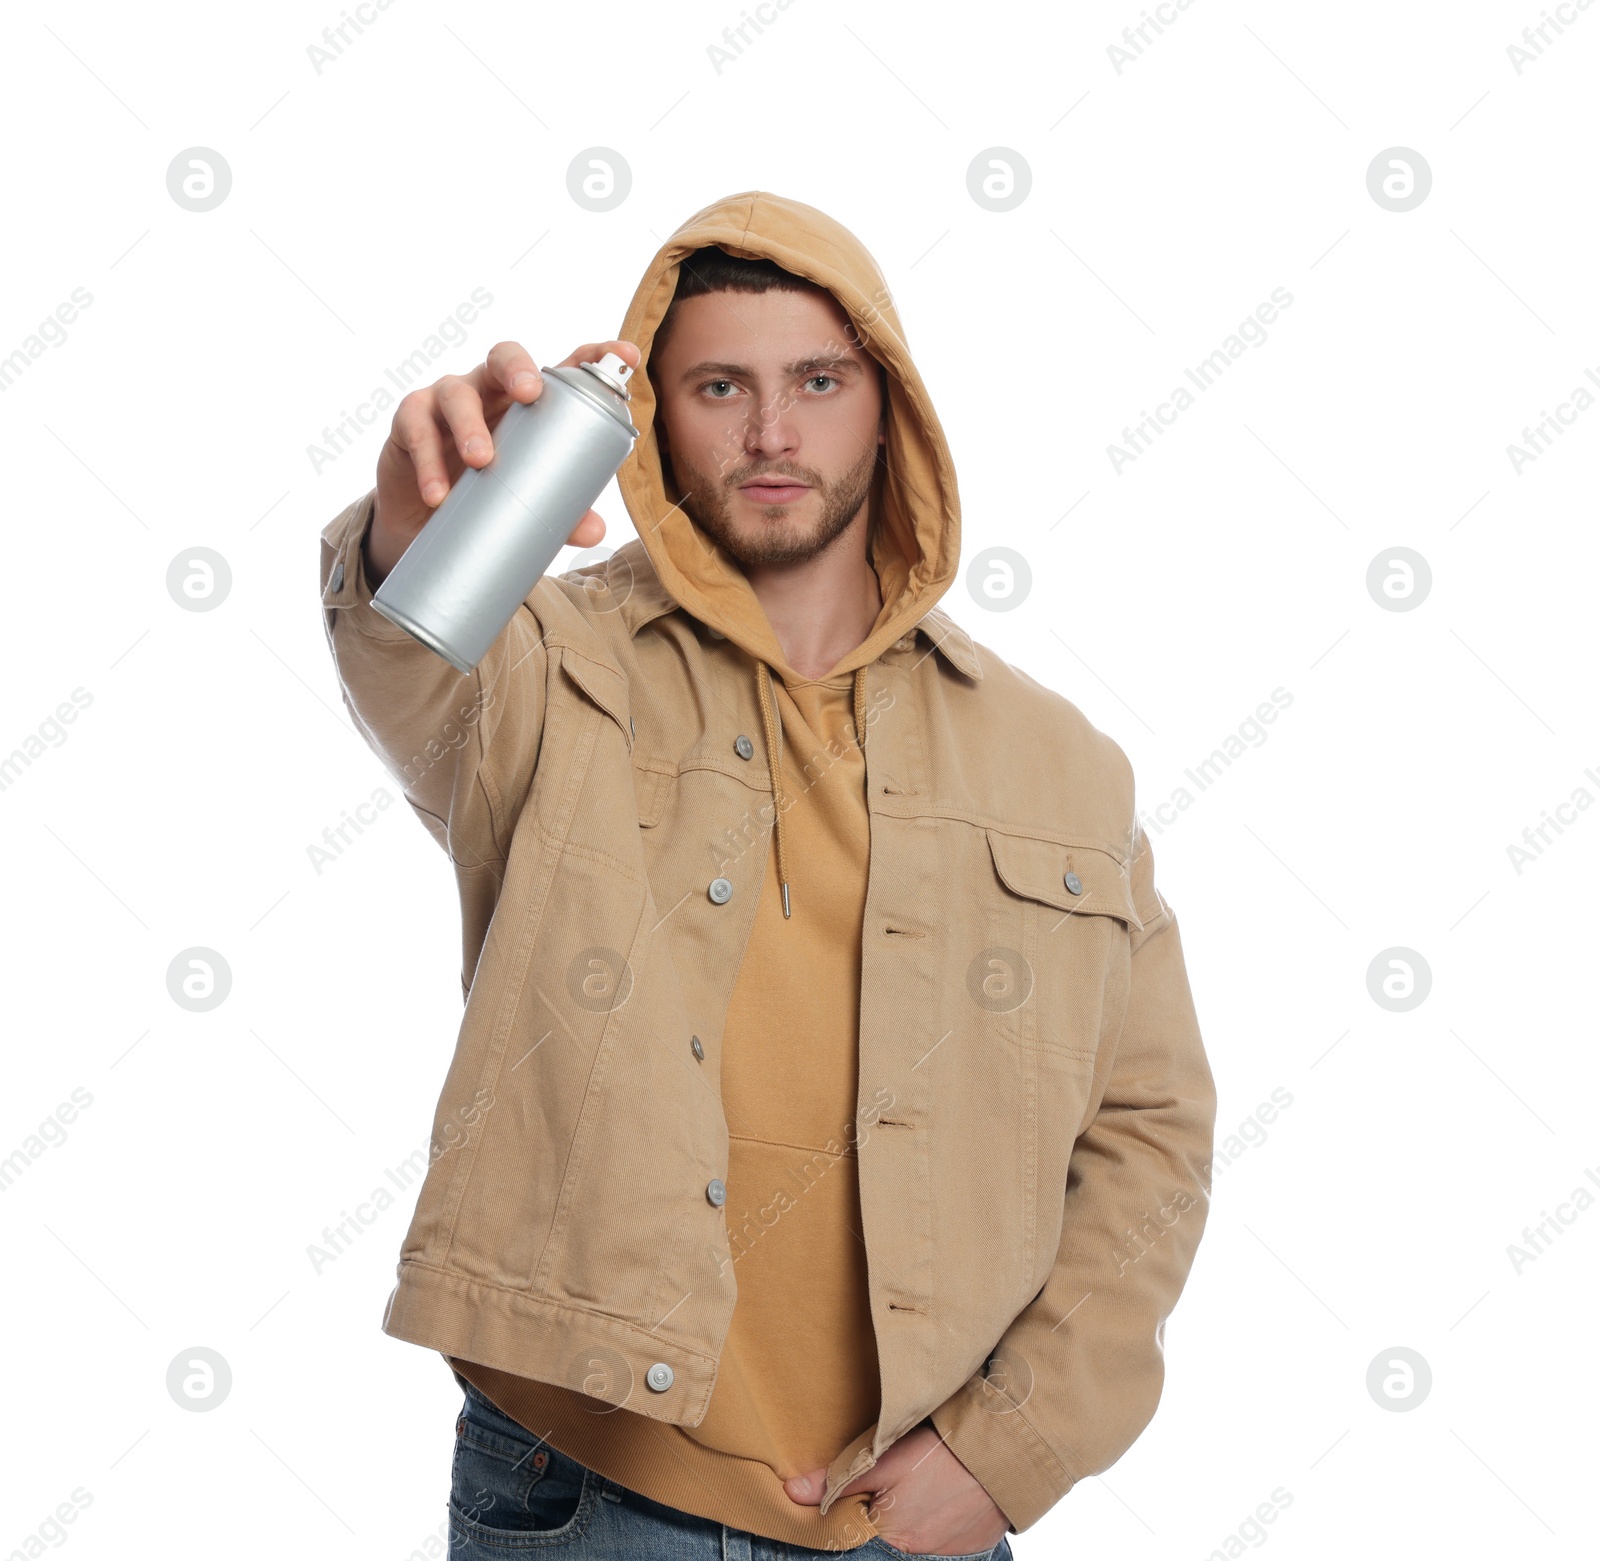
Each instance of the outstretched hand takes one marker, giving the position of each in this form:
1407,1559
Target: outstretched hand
925,1499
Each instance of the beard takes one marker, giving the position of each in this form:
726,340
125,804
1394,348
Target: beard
778,536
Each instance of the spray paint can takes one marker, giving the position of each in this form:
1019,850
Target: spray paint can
500,526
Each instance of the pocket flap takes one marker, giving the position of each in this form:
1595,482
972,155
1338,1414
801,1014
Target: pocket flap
605,685
1037,870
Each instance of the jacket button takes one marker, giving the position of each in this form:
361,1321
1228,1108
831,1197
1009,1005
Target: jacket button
1074,883
716,1192
697,1048
743,746
721,890
338,576
659,1376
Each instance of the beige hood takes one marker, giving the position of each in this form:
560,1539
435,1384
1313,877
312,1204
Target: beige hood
918,532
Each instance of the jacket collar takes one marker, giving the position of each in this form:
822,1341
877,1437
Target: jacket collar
631,575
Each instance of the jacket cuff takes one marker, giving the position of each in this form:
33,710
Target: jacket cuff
1002,1452
344,575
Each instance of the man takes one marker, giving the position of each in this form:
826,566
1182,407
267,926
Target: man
827,1138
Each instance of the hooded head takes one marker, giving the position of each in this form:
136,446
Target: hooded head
915,518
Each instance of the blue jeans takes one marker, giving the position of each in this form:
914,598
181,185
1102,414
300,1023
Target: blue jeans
512,1494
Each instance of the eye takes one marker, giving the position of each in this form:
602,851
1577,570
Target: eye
710,382
828,377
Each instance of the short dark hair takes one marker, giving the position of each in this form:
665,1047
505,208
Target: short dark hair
713,270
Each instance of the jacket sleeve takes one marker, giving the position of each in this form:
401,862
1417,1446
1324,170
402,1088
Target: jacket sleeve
462,746
1077,1375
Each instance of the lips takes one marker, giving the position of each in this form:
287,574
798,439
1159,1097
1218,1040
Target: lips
775,492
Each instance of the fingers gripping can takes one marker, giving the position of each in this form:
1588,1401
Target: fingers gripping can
500,527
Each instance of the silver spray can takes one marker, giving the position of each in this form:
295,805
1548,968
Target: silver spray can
500,527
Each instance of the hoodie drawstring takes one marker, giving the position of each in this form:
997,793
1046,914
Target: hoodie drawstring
772,733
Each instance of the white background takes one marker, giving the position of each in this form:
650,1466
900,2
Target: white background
1168,601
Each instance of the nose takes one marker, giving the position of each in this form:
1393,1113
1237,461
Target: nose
770,433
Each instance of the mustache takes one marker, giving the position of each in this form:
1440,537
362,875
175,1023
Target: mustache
739,479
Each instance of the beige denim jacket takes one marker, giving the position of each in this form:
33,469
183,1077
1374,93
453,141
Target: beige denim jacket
1036,1108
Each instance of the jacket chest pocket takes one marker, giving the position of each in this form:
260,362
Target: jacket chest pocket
603,686
603,690
586,783
1064,918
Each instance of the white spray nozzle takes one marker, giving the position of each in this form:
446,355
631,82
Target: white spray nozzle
612,369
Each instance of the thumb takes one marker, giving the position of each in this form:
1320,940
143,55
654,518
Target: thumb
807,1488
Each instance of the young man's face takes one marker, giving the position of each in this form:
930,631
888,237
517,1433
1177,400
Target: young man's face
772,418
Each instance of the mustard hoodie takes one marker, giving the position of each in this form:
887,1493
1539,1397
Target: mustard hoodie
797,1378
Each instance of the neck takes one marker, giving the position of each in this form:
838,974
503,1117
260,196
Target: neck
822,607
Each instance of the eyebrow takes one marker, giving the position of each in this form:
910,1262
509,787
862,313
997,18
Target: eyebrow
804,366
